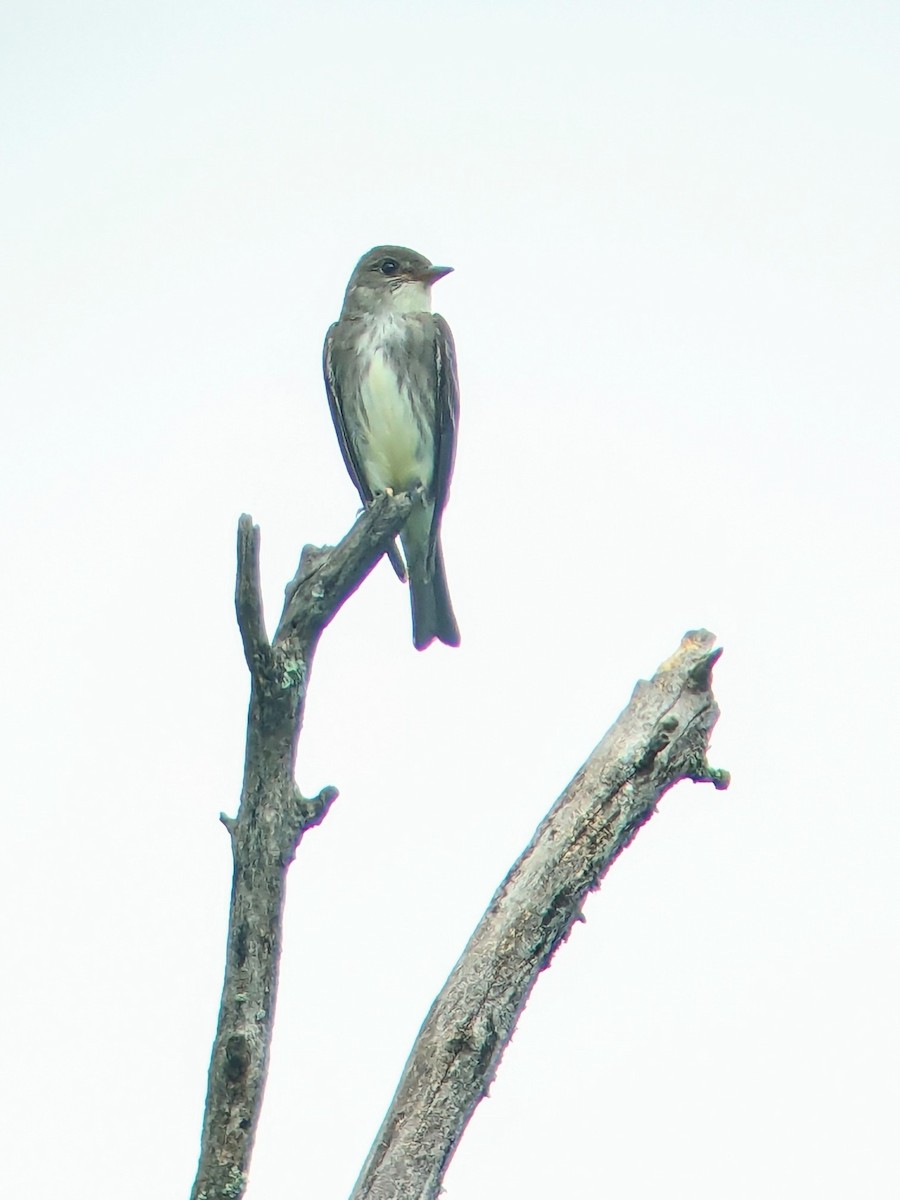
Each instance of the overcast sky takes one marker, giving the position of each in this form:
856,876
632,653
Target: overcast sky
675,303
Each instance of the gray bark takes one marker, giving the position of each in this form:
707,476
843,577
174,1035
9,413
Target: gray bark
659,739
272,818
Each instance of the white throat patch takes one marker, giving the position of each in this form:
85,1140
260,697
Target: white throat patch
411,297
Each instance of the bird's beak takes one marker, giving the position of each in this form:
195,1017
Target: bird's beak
432,274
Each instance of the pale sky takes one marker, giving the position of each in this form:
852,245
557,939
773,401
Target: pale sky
675,303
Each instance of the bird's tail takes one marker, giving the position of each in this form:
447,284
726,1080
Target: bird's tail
432,612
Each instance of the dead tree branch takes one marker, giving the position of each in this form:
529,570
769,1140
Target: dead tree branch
272,818
659,739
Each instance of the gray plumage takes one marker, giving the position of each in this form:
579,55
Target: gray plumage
390,375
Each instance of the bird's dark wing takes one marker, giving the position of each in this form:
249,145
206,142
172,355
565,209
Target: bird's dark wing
354,470
333,388
447,419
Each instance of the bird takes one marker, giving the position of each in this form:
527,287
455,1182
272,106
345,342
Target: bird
390,375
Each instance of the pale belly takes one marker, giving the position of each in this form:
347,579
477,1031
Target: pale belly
396,450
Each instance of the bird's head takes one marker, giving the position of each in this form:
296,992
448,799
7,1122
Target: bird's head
391,278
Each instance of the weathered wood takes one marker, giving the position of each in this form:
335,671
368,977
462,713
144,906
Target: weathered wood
271,820
659,739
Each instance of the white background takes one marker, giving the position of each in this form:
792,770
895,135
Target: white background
674,228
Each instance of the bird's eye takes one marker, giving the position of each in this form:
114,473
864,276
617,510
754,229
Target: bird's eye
389,266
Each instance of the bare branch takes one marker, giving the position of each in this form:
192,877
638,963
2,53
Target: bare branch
248,595
272,819
327,577
659,739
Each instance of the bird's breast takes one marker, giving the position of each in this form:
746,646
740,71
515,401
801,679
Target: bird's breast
397,432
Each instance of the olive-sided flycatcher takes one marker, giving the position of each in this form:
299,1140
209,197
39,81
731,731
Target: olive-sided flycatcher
390,374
